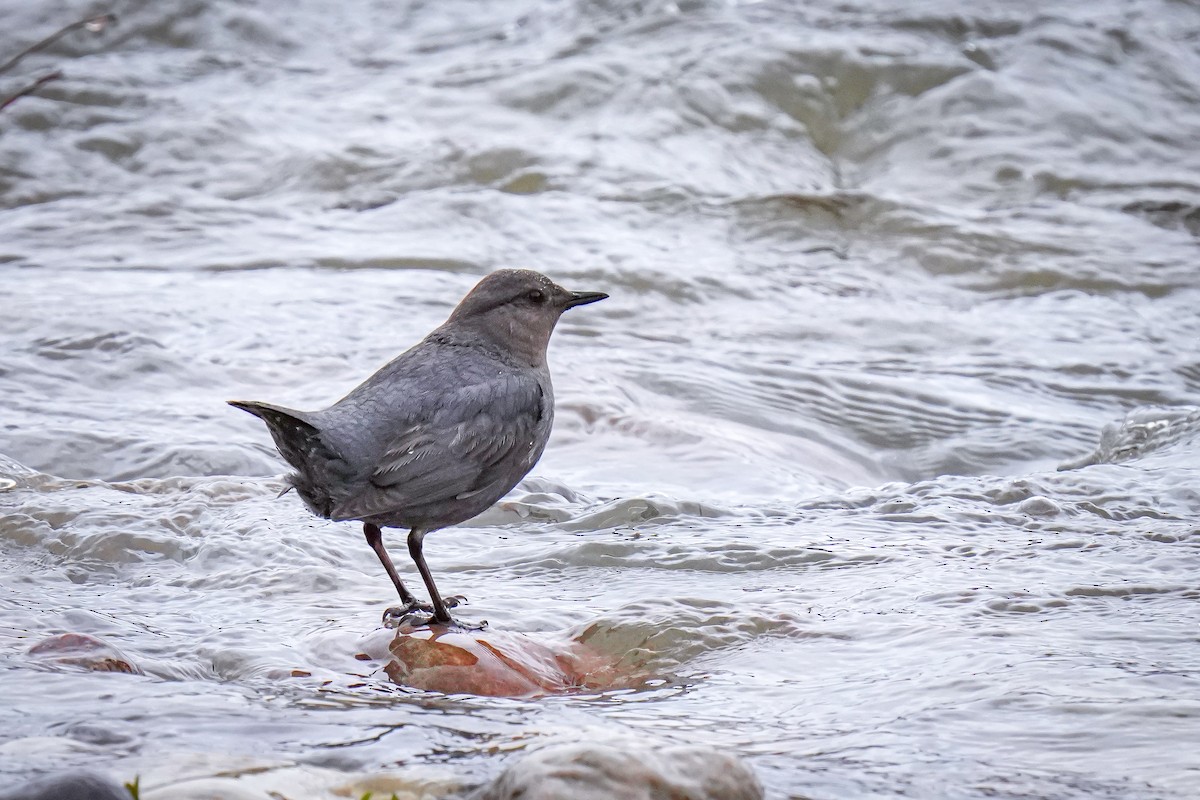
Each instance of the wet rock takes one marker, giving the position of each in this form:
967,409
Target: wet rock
627,772
186,775
76,786
497,663
82,650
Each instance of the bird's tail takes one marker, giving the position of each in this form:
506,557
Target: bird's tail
294,435
300,443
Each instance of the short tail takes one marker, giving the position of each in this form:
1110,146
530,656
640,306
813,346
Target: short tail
277,417
300,443
294,435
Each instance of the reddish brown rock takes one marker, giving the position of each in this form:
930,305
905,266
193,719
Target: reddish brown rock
82,650
497,663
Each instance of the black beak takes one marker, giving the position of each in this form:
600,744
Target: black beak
583,298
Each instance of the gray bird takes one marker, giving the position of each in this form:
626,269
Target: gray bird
441,432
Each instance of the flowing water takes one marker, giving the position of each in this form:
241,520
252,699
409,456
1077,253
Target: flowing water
878,271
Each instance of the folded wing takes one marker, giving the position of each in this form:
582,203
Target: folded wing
469,449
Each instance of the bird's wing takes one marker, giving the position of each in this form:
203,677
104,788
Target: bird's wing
465,446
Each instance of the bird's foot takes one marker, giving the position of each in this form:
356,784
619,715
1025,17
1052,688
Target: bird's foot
417,614
414,615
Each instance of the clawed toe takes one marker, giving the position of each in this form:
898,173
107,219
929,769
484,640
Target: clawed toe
418,614
482,624
397,614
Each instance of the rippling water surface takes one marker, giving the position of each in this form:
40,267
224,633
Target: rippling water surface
877,272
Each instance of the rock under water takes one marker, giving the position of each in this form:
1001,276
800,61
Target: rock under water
70,786
635,771
495,663
82,650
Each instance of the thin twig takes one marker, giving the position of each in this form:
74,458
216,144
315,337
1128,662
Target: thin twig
31,88
94,24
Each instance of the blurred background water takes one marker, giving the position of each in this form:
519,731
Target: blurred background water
877,271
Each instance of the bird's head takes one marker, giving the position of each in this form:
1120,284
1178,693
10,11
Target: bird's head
516,310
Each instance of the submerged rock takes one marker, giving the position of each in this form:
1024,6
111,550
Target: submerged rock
627,772
77,786
189,775
497,663
82,650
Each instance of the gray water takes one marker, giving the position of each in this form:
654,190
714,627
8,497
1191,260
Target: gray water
877,271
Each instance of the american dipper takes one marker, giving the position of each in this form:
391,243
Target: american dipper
441,432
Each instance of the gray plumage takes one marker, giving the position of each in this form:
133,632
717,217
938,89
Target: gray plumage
444,430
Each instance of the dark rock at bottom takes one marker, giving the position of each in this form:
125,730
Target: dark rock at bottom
71,786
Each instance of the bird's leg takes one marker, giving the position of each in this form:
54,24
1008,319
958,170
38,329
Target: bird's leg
440,614
375,539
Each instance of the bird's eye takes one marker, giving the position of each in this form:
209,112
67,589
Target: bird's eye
537,296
